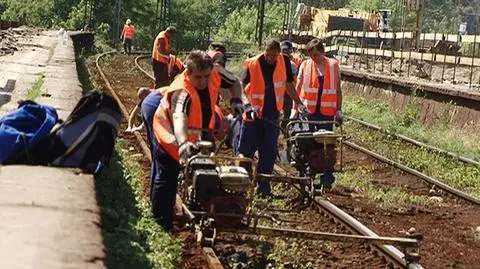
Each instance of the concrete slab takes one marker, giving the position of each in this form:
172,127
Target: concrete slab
49,218
45,55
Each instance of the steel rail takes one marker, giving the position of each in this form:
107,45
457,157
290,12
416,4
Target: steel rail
137,64
416,173
389,251
415,142
209,253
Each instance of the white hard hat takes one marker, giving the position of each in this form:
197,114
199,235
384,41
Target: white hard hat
128,21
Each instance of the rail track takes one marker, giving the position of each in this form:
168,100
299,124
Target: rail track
395,256
427,179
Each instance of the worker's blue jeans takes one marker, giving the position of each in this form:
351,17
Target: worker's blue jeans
149,106
327,179
163,187
260,135
164,169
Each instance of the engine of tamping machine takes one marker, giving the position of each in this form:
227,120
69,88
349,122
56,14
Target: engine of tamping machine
217,189
312,152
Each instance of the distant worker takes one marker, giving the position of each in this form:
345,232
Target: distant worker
287,50
128,34
175,66
187,105
161,56
217,52
319,87
266,78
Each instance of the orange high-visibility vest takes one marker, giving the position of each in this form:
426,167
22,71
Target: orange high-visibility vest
175,61
310,88
128,31
297,62
163,119
156,55
255,90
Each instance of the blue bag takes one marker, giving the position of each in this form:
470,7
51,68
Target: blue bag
23,128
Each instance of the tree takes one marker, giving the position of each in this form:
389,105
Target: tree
240,25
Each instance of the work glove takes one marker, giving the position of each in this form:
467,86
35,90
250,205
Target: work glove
237,107
250,114
303,109
339,117
187,150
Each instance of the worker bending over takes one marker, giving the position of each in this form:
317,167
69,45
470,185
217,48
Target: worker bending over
319,89
161,56
186,110
266,78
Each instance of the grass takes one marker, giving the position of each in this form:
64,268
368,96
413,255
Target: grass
34,92
360,180
132,238
454,173
457,140
235,65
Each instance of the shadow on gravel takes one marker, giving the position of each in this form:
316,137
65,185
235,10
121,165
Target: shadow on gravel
125,247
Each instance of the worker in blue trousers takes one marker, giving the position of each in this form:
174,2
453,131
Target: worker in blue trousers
266,78
318,85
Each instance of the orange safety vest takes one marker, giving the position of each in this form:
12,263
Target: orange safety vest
156,55
128,31
297,61
310,88
175,61
163,120
255,90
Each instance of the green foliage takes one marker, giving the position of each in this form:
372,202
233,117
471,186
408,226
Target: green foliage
361,181
197,22
34,92
439,15
439,134
239,25
132,238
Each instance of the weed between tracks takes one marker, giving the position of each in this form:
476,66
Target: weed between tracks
454,173
360,180
455,140
132,238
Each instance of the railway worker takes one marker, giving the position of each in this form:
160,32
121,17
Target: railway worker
217,52
187,105
287,49
128,34
161,56
319,88
175,66
142,93
266,78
